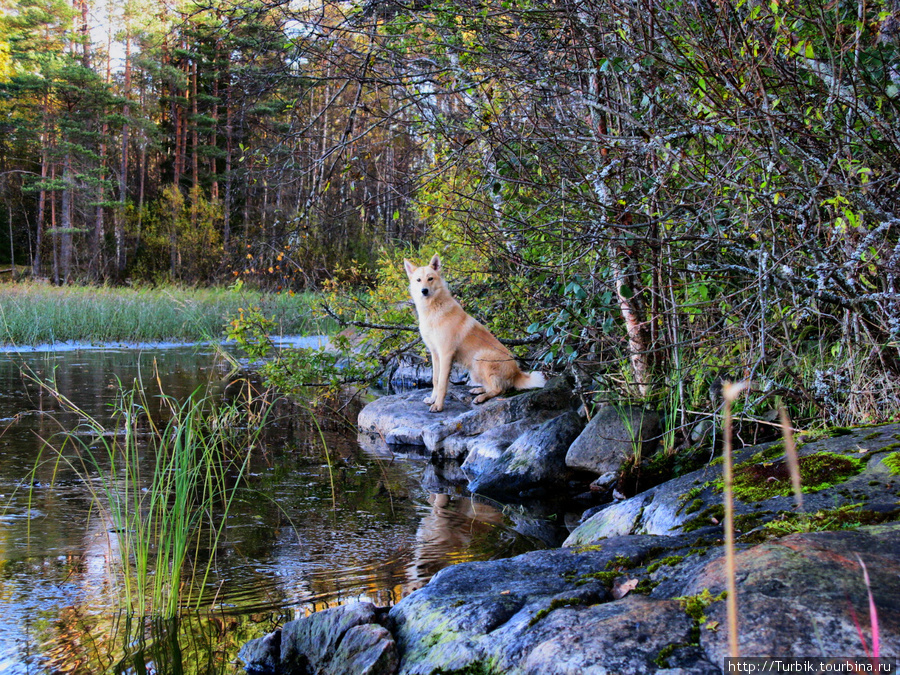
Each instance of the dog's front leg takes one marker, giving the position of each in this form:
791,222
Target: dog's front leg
435,360
442,364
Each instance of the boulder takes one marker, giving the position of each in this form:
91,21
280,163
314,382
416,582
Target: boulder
345,640
654,604
404,419
542,612
367,649
610,437
535,458
411,371
799,590
852,469
262,655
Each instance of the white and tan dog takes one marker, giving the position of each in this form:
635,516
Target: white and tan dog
451,336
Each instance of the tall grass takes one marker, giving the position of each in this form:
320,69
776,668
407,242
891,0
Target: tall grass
32,313
157,486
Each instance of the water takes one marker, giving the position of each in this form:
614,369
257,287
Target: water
288,547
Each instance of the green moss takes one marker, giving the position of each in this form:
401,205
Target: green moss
588,548
717,461
892,462
840,431
554,605
620,562
759,481
773,451
695,605
606,578
645,586
671,561
662,659
873,435
847,517
692,496
694,506
705,517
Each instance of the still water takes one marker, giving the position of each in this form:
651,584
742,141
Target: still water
290,545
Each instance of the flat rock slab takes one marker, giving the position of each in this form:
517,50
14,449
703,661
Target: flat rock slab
541,612
402,419
548,612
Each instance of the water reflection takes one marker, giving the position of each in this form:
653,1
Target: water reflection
301,535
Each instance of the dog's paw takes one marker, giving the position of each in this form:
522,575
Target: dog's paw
428,399
481,399
476,390
436,407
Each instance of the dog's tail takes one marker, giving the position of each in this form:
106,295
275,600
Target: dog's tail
532,380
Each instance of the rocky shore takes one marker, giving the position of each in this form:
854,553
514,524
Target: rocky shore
638,586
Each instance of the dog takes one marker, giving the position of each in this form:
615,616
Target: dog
451,335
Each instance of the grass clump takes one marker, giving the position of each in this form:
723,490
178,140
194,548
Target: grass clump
159,517
32,313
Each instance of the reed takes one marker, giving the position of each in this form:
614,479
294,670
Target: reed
163,475
32,313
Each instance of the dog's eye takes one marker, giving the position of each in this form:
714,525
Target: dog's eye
419,279
430,278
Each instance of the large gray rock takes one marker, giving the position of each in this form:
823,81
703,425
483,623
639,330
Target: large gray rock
694,500
319,643
262,655
548,612
805,595
541,612
405,419
487,446
365,650
536,458
611,436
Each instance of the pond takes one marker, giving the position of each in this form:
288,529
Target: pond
292,543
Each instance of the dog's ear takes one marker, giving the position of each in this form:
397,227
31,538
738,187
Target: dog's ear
409,267
435,263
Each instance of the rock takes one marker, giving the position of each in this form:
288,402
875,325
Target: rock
262,655
616,637
803,588
404,417
535,458
541,612
608,439
365,650
486,447
610,521
694,500
311,643
528,407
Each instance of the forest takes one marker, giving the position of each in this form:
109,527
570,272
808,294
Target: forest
666,192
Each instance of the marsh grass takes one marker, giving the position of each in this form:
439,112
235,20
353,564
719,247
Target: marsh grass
162,475
32,313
